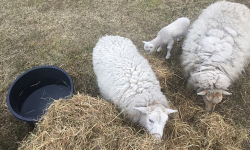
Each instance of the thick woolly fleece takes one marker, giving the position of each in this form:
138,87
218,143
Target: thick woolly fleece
124,76
217,47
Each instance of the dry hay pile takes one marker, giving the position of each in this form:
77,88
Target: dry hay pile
85,122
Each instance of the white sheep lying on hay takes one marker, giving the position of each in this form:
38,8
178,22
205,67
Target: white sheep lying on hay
126,78
167,35
216,50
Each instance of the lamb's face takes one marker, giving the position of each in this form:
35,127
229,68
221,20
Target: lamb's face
148,47
211,97
154,119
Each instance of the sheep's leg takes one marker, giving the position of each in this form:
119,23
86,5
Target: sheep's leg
179,38
159,49
169,47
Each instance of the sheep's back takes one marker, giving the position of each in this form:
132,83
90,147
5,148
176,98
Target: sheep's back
176,29
232,20
121,71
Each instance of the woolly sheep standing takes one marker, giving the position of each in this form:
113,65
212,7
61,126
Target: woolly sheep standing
167,35
126,78
216,50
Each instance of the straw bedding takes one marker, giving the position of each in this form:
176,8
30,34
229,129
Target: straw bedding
86,122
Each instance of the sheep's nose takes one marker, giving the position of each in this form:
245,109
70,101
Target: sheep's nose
210,107
147,51
157,136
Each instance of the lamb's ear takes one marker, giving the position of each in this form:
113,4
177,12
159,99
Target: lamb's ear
204,92
144,42
144,110
170,111
226,93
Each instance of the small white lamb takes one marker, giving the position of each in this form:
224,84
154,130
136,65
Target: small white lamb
216,50
126,78
167,35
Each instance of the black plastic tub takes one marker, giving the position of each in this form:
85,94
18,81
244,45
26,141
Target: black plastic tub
34,90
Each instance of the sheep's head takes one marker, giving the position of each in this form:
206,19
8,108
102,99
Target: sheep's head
212,97
154,118
148,47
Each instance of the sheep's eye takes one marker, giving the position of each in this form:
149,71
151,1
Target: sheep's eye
151,121
151,47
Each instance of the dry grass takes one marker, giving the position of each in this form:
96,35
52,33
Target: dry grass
63,33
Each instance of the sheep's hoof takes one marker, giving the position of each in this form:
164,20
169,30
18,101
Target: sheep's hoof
167,57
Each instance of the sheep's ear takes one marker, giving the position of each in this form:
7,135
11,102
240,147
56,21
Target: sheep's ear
226,93
202,93
170,111
144,110
144,42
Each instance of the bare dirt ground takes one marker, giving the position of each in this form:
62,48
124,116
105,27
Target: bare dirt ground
64,32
